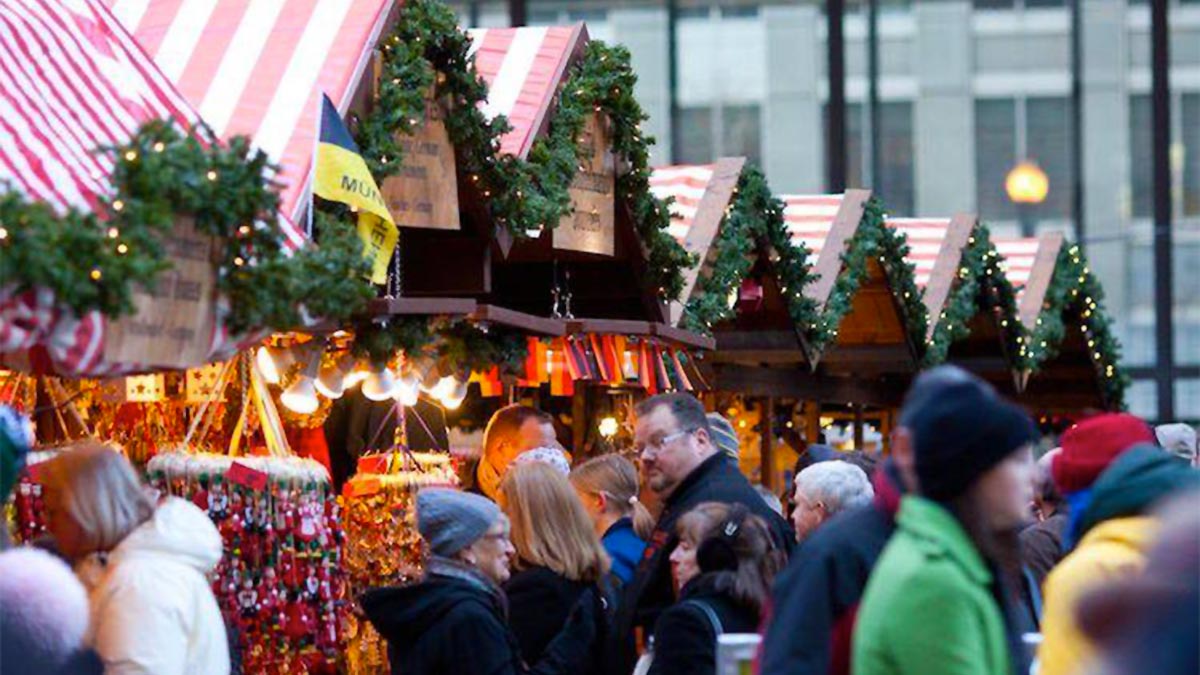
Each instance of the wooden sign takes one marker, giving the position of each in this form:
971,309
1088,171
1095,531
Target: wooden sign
425,192
200,384
172,325
145,388
593,192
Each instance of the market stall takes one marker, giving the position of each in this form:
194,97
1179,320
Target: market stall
1069,357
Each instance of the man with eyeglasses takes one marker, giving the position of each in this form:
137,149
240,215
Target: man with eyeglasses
684,468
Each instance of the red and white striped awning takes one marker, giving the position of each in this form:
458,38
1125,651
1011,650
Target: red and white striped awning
258,67
71,80
686,185
1016,259
809,220
523,68
926,237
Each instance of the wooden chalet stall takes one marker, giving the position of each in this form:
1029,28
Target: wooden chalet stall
969,301
1068,355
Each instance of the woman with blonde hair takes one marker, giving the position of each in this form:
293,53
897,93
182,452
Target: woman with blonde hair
559,556
152,610
608,487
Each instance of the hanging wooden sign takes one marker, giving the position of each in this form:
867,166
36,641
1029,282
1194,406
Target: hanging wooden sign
593,192
425,192
172,325
145,388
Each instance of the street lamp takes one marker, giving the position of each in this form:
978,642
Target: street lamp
1027,186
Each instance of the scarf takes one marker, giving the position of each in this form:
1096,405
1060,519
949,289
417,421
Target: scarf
453,569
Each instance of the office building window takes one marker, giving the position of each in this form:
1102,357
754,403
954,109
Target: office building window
1013,4
995,155
1141,157
1190,130
894,185
709,132
1048,142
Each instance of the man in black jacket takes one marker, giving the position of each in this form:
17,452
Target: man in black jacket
684,468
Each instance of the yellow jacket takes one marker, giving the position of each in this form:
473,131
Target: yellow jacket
1113,549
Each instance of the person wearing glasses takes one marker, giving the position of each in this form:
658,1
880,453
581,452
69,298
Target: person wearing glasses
683,467
455,619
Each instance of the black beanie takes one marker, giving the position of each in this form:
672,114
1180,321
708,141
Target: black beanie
960,430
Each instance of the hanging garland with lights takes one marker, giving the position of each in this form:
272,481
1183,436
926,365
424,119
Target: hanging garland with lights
454,345
92,261
873,238
981,288
426,50
754,220
1075,293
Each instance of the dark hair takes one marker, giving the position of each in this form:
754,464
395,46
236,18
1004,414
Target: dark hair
687,410
508,420
758,561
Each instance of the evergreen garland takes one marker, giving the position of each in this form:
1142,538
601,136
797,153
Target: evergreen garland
92,261
753,221
872,238
458,346
980,287
1075,293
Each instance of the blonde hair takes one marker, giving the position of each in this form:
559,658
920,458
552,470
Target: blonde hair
617,479
96,487
549,526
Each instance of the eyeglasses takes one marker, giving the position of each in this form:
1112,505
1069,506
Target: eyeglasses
661,443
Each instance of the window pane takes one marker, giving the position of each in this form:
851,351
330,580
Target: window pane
738,11
1187,399
895,181
1190,111
1048,143
696,135
1141,167
1044,3
994,4
856,145
742,133
1142,398
995,155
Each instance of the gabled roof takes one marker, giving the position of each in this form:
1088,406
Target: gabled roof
523,68
259,68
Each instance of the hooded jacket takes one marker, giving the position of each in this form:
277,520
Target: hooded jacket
815,600
152,609
454,622
1114,535
43,616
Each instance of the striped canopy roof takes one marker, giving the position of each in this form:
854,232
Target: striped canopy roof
523,68
809,219
926,237
1017,257
258,67
686,185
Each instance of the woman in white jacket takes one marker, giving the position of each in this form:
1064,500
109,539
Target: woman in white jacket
152,610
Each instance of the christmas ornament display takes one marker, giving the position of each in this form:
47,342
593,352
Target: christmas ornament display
28,510
280,582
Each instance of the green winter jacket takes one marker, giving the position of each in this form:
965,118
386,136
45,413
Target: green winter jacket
928,608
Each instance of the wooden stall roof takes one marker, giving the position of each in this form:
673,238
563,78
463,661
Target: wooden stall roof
259,69
701,194
523,68
935,247
1029,265
873,336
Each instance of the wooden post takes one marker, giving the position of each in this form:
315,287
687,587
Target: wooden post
858,426
887,418
766,407
579,421
812,422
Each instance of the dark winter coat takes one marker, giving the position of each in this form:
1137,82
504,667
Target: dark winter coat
685,640
816,598
1042,545
624,547
539,601
452,623
651,591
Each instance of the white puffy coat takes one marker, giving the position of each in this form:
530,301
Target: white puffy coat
153,611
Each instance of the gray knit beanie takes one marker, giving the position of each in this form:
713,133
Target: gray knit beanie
723,435
451,520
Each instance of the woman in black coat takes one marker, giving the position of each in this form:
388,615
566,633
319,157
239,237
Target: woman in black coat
559,557
455,619
725,564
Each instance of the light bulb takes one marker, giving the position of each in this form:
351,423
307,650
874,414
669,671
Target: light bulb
332,380
357,374
272,362
609,427
301,397
443,387
380,385
408,390
455,398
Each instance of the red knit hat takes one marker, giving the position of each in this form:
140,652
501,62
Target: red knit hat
1090,446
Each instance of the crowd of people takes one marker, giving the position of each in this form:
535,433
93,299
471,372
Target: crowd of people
959,552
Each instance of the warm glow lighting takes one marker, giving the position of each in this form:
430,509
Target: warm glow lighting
732,298
332,380
272,362
1027,183
609,427
357,375
301,396
408,390
444,388
455,398
380,385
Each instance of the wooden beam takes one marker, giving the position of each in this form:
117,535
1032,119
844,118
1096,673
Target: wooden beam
798,383
683,337
763,340
520,320
710,212
945,268
875,358
767,450
608,326
812,422
829,262
859,424
1049,244
405,306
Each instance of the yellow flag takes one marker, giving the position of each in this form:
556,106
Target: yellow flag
342,176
